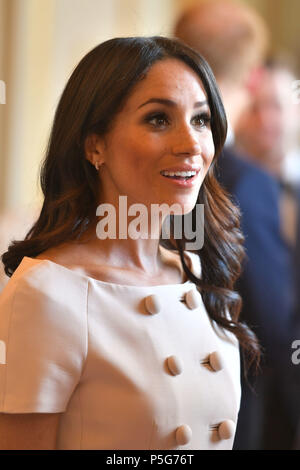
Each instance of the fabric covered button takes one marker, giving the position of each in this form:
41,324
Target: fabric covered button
175,365
216,361
226,429
152,304
193,299
183,435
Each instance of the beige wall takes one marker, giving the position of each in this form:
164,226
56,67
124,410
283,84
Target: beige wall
282,17
44,40
2,106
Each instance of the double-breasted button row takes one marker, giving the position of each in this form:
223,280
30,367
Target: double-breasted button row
193,300
175,364
226,430
153,304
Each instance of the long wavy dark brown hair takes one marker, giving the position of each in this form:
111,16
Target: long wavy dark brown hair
94,94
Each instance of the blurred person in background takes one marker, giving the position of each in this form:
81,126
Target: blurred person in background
234,40
268,133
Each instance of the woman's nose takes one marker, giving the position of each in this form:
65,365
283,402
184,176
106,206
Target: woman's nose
186,142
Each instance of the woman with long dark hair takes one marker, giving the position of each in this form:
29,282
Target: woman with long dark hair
115,339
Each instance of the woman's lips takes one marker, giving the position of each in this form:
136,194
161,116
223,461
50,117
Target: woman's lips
182,182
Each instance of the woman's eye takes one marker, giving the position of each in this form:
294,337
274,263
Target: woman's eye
161,120
158,120
201,120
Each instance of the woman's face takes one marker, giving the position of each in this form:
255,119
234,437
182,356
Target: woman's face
163,127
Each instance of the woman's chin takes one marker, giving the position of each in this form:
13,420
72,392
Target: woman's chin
181,206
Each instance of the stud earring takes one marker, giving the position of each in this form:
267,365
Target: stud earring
97,165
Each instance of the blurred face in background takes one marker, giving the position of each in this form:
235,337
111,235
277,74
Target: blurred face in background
267,129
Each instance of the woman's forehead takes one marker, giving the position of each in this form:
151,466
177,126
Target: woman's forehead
170,78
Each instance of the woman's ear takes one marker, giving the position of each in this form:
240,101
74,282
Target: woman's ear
93,147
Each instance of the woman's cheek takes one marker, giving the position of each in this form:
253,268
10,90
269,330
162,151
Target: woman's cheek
208,151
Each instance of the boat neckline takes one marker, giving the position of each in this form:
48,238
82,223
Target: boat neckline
105,283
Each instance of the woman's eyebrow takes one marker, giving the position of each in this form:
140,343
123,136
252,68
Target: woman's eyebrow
168,102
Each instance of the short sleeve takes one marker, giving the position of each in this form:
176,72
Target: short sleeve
43,338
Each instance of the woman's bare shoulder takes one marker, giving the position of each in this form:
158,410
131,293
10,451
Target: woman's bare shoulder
66,255
77,258
56,254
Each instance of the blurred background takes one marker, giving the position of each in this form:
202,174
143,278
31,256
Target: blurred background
40,43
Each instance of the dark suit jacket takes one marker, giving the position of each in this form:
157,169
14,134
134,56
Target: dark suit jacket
267,419
266,283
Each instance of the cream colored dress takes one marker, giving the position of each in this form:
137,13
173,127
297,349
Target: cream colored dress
128,367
